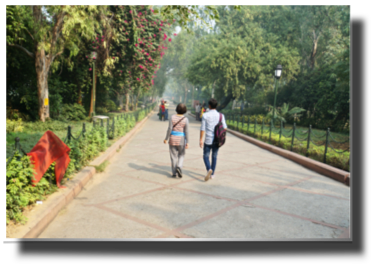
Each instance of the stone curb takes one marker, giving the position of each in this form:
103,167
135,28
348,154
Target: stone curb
76,185
319,167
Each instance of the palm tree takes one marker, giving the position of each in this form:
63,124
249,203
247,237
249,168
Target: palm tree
282,113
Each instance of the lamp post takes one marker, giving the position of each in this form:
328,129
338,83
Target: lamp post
94,57
277,76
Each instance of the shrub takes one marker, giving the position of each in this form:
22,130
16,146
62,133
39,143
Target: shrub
110,105
38,126
101,110
19,191
74,112
15,125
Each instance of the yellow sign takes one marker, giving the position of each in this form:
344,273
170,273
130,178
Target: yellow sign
46,102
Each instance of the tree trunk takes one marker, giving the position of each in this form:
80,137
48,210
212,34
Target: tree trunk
127,101
314,50
93,96
120,97
213,89
79,101
42,65
185,94
225,102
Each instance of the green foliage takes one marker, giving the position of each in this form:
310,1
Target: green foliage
73,112
15,125
338,160
20,192
101,110
38,126
110,105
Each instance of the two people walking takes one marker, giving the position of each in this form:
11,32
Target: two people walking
212,128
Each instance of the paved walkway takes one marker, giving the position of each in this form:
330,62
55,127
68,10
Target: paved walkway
255,195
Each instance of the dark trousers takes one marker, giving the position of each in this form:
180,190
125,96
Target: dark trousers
206,156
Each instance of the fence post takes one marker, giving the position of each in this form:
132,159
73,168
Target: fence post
237,123
248,124
107,128
294,128
255,128
326,144
262,127
101,122
270,130
83,129
113,127
242,122
281,129
69,133
307,147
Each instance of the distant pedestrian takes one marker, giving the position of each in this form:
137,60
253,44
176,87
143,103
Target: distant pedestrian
178,134
166,111
209,120
162,110
202,111
197,111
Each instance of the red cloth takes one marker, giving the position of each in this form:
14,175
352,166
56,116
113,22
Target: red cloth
49,149
163,108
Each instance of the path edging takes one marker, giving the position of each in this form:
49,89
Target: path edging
319,167
79,181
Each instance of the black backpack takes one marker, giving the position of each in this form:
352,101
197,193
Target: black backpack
219,133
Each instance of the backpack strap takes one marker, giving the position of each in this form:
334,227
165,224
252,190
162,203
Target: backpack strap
178,122
220,118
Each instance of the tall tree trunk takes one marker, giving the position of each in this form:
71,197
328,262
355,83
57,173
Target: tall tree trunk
127,101
79,101
93,96
42,65
185,94
225,102
314,50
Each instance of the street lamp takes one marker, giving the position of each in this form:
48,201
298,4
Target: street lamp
94,57
277,76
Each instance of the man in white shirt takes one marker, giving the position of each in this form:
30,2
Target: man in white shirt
209,120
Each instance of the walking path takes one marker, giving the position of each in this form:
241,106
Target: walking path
255,195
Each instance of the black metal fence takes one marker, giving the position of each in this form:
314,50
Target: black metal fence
327,140
110,129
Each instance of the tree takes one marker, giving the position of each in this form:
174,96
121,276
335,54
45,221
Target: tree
52,29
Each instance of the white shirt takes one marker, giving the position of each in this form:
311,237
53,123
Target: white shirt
209,120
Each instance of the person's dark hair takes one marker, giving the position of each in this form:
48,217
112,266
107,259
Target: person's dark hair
212,103
181,109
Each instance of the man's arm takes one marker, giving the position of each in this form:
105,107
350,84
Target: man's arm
224,123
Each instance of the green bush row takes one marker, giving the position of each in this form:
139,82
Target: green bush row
338,160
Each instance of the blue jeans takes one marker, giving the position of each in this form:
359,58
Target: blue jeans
206,156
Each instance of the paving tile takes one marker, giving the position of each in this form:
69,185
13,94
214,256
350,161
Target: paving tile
317,207
170,208
256,223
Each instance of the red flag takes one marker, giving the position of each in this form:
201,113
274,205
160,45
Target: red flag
49,149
